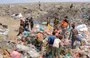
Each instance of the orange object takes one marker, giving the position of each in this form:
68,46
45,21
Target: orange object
64,24
40,36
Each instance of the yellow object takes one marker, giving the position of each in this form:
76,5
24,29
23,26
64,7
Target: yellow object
50,27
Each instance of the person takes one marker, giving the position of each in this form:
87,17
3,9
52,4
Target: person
56,22
71,6
26,24
51,39
57,32
48,21
39,4
39,40
31,23
49,45
22,22
64,25
56,45
21,30
74,35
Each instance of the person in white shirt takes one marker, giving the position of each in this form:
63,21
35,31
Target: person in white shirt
56,46
57,42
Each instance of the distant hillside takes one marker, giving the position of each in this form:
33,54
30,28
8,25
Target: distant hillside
44,10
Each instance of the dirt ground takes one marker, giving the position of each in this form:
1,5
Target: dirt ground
12,25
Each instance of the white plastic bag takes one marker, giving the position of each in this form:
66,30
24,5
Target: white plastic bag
32,52
82,27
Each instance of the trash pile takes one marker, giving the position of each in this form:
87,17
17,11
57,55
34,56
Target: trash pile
4,31
48,40
61,37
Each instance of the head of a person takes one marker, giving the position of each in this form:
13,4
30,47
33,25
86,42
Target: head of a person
55,30
66,20
73,25
53,33
27,19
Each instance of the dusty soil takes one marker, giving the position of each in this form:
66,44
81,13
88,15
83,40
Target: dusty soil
12,25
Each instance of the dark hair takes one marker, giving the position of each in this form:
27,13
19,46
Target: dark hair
53,33
73,25
31,19
66,20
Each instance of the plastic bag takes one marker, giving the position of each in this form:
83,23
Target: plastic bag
22,47
33,52
82,27
26,33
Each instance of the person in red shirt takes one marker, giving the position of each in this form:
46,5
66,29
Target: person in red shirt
64,25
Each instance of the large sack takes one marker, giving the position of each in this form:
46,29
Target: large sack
82,27
17,16
4,32
26,33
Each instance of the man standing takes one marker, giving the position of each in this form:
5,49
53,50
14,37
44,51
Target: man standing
74,35
31,23
64,25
